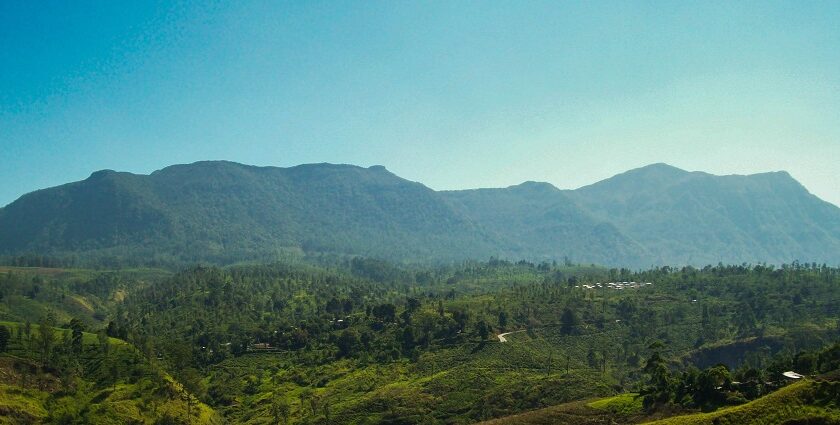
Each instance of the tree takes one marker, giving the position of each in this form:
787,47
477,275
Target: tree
385,312
482,330
658,389
568,321
408,339
503,319
280,409
592,358
46,338
308,396
461,318
114,374
77,336
4,337
104,343
347,343
711,386
193,386
745,319
334,306
412,304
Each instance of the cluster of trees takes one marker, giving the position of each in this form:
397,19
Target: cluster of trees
73,365
718,386
37,260
203,315
370,312
376,311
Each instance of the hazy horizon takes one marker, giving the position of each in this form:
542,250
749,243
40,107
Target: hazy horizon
454,96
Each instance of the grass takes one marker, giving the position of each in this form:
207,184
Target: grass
576,412
19,405
623,408
622,404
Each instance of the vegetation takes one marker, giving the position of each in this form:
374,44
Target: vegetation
364,341
225,213
65,376
806,402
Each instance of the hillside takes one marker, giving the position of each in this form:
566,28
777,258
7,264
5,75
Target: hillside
103,381
697,218
377,343
806,402
540,221
224,212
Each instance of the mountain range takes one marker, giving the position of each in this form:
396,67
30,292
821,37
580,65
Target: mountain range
222,212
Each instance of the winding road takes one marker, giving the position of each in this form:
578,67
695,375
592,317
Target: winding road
502,336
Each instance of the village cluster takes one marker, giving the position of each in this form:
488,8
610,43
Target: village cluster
615,285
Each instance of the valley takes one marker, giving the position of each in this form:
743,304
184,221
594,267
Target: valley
372,342
419,213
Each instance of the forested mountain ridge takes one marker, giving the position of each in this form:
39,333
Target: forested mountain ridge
224,212
697,218
537,220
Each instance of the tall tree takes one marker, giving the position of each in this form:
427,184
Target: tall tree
77,335
4,337
568,321
46,338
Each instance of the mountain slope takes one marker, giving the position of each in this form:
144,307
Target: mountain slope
697,218
227,211
539,220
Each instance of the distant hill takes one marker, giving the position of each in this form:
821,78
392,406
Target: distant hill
226,212
537,220
685,217
223,211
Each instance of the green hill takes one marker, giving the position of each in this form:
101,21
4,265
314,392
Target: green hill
598,412
370,342
685,217
540,221
806,402
101,383
224,212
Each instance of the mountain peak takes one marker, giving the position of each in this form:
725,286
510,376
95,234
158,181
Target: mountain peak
659,168
649,177
534,186
100,174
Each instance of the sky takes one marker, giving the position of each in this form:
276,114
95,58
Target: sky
451,94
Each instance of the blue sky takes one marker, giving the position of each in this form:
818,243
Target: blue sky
451,94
